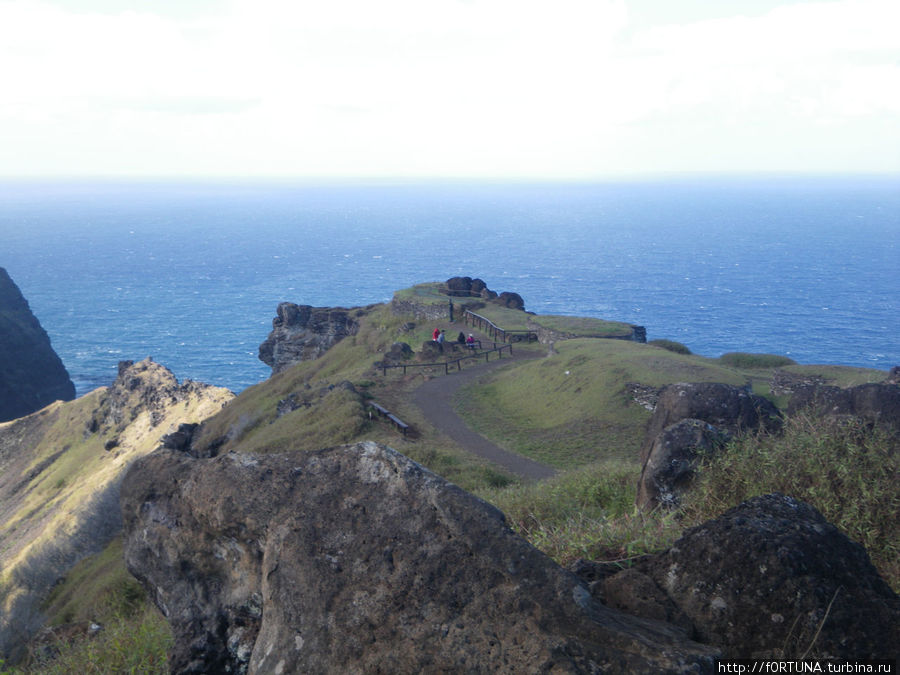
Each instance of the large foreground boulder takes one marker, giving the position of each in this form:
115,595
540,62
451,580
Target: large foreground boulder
771,578
356,559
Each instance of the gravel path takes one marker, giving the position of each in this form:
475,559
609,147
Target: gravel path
435,400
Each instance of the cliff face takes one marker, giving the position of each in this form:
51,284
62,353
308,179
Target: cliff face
303,333
31,374
60,471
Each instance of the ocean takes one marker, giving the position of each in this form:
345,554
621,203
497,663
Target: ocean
191,272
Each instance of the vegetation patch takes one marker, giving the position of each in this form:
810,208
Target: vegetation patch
573,408
754,361
587,514
432,293
670,345
847,470
580,326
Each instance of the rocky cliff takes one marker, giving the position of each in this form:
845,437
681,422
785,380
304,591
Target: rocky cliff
31,374
60,472
303,333
356,559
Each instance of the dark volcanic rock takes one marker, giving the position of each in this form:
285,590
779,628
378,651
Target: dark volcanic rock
772,578
875,402
31,373
467,287
673,456
356,559
304,333
511,300
730,408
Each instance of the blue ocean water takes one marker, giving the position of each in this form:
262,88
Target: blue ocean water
191,272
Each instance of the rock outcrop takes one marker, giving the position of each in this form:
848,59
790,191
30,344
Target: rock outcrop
356,559
770,578
689,419
70,458
31,373
304,333
876,403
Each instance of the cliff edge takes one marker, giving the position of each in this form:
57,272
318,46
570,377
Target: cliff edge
31,373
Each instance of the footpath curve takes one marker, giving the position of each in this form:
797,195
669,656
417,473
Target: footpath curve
435,399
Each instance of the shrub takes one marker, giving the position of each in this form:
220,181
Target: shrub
746,360
670,345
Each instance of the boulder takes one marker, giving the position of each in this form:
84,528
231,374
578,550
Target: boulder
31,373
356,559
511,300
771,578
465,287
673,456
398,353
873,403
304,333
727,407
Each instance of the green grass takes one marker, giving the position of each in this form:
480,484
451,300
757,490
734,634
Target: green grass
588,513
582,326
432,293
572,408
846,470
135,638
135,644
747,360
575,326
670,345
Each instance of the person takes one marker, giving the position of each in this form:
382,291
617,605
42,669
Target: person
461,338
435,333
470,342
440,338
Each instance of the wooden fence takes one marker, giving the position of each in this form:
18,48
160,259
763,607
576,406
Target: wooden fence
486,325
446,365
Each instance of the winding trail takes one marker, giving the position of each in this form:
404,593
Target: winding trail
435,400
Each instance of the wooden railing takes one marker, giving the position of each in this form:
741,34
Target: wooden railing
486,325
455,362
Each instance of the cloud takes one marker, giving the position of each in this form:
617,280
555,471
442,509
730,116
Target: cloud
443,87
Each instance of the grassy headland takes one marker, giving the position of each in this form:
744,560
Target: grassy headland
572,409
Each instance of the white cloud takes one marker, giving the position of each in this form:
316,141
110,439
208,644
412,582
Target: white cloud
479,87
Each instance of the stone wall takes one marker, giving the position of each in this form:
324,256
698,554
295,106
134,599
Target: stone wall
546,335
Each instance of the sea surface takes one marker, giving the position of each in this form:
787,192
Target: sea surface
191,272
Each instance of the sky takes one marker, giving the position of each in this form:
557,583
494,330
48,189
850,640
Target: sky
521,89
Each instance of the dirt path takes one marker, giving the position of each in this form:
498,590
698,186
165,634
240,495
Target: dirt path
435,400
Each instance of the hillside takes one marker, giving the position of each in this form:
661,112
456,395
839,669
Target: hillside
60,470
580,406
